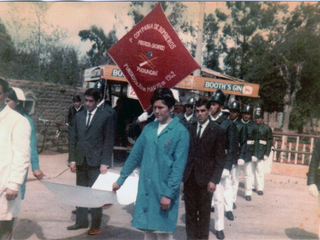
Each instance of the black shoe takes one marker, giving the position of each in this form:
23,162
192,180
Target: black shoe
234,206
229,215
254,189
77,226
220,234
260,193
212,209
248,198
75,211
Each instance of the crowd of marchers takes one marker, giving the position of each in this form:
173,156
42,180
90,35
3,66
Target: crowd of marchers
205,148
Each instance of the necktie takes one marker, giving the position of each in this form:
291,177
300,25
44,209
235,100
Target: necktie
88,122
199,132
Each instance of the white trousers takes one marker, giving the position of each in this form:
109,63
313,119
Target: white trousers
258,175
248,178
152,235
235,181
229,191
218,198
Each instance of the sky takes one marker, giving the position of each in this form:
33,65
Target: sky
77,16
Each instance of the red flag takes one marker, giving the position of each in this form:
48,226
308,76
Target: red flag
151,56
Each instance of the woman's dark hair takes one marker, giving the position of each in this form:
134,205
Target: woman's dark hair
13,96
164,94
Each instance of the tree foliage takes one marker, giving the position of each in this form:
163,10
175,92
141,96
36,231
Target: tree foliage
7,51
39,51
98,54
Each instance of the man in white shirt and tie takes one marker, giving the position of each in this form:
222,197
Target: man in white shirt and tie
203,171
91,148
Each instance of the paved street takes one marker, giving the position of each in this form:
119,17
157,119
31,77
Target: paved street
285,211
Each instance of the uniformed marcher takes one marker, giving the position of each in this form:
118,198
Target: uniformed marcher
217,116
251,154
233,184
265,144
314,177
188,116
226,110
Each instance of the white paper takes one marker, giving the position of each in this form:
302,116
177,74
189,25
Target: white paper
81,196
127,194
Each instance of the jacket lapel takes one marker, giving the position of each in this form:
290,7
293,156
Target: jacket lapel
205,132
193,133
83,119
95,116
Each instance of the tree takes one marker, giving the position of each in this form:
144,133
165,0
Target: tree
7,51
40,52
176,14
213,44
263,71
247,19
298,64
101,43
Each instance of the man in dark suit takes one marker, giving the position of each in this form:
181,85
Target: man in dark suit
203,170
72,111
91,150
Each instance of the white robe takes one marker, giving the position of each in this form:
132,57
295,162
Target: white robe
14,159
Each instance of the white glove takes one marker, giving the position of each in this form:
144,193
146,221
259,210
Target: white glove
313,190
143,117
265,157
254,159
240,162
225,173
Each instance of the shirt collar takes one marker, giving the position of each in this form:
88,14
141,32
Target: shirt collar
188,117
247,122
204,125
77,109
216,118
93,112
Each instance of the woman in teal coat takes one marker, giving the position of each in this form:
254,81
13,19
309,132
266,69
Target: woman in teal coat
161,151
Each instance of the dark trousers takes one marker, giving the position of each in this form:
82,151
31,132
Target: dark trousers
6,228
69,138
197,204
86,176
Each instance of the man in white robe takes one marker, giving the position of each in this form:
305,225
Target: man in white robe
14,161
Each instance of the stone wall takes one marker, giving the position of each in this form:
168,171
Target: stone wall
51,100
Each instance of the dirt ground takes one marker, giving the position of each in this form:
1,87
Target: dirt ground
285,211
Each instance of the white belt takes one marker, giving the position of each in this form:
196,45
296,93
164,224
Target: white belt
263,142
250,142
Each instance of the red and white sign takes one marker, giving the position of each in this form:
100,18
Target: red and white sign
151,56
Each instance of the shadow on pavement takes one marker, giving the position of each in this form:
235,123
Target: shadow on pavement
26,228
298,233
180,233
129,209
111,232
